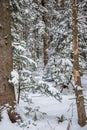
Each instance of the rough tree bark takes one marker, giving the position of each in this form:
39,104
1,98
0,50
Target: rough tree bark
7,95
78,90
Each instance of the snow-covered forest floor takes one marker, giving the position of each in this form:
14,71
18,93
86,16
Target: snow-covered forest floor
50,114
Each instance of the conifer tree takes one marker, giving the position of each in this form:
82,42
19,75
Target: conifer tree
7,95
78,86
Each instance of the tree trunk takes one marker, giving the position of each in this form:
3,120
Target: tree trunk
62,4
36,48
44,36
7,95
78,92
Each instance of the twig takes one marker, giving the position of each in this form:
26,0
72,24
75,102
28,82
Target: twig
70,120
69,124
50,126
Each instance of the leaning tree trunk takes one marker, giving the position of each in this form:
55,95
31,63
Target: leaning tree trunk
78,89
7,95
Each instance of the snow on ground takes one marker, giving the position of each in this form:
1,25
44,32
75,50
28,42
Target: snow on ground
54,109
5,124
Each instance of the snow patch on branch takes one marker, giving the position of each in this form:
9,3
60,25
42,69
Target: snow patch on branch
14,79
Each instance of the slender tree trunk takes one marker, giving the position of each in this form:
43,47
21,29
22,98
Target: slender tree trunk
78,90
19,92
19,84
7,95
36,49
44,36
62,4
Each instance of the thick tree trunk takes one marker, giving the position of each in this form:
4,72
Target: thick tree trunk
78,90
7,95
